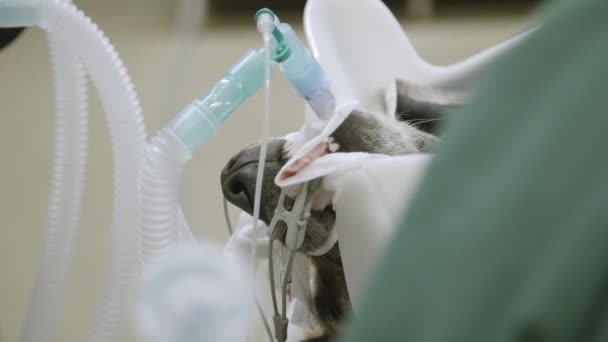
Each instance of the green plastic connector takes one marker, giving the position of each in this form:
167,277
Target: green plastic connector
282,51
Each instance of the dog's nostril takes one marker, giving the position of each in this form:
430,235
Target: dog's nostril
237,188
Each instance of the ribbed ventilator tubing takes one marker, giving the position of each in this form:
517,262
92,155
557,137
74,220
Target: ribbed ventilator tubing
67,186
127,133
159,185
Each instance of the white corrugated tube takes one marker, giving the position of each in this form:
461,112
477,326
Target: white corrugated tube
123,114
159,182
67,186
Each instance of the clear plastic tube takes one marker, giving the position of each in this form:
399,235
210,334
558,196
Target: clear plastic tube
67,186
260,173
127,132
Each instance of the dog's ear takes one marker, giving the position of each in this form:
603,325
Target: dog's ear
425,107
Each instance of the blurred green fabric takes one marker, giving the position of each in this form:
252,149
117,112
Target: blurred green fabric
507,239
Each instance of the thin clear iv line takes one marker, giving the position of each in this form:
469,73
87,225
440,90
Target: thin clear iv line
257,301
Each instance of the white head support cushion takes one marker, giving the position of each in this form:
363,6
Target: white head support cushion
362,48
368,192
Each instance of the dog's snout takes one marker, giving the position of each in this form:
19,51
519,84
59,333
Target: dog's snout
239,175
231,163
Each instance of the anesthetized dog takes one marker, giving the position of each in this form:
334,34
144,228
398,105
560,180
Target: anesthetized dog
413,129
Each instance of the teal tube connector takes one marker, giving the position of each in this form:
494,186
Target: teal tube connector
199,121
282,51
301,68
304,73
18,13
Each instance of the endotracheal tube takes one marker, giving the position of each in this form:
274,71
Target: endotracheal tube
304,73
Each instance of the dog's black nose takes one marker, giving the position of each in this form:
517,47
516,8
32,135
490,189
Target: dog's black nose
238,178
239,175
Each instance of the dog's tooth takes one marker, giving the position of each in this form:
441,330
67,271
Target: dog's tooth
333,147
287,150
330,140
